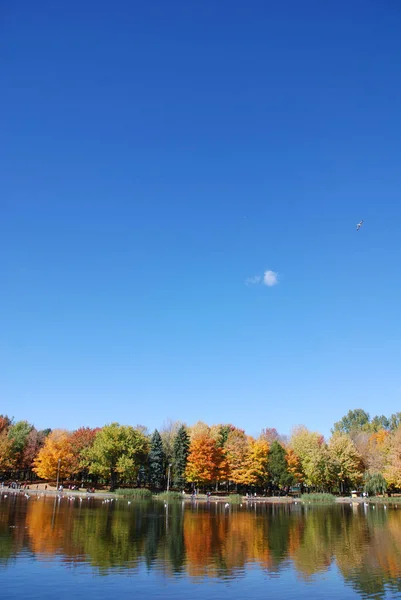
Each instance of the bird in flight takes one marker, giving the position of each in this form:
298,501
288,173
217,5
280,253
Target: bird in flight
359,225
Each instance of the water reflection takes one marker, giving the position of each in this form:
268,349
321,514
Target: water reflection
198,541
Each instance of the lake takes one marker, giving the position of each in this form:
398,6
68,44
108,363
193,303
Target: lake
51,547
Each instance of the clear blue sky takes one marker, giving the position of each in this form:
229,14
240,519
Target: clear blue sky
154,156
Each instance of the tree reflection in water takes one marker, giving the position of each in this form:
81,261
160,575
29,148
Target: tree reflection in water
208,540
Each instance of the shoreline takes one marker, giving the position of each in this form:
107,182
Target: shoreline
103,495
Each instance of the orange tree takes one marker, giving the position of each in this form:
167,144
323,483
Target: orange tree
204,459
57,447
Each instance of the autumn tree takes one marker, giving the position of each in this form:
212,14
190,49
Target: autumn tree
81,440
392,470
257,470
156,461
180,457
118,451
6,452
377,450
344,461
57,447
236,451
5,423
311,449
204,458
34,442
294,466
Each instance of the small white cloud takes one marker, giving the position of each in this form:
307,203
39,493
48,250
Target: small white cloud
253,280
270,278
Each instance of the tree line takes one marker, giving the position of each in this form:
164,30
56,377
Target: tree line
360,452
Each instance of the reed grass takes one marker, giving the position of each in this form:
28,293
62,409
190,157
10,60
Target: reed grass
318,498
234,499
134,493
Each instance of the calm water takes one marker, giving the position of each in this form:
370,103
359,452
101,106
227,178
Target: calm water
50,547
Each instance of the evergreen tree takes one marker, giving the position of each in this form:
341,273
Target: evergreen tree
277,466
156,461
180,456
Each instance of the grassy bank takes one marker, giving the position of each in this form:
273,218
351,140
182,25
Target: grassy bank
380,500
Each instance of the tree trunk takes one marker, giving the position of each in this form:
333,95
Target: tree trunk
113,480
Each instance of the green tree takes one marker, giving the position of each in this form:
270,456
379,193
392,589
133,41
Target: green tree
222,432
277,466
118,451
156,461
354,420
395,421
379,422
18,436
168,434
180,457
375,484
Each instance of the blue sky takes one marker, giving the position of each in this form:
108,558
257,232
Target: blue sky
154,157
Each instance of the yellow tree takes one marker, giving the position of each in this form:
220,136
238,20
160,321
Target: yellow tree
344,460
6,452
236,450
377,451
392,471
311,449
256,463
57,448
